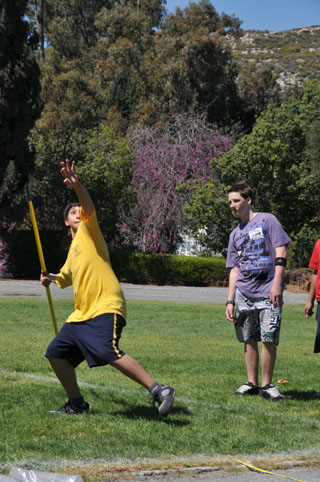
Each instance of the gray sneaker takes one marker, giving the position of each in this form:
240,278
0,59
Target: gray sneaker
164,397
247,388
72,409
271,393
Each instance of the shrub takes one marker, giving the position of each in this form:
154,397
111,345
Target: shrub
172,269
137,268
23,259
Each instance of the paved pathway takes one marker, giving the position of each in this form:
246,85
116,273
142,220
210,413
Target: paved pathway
301,474
138,292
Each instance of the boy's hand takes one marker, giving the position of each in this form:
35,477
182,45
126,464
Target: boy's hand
45,280
69,173
308,309
230,313
276,295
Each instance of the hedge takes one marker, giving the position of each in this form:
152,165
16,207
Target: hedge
169,269
23,258
129,267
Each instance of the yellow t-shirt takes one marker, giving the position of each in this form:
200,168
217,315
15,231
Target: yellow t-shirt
88,269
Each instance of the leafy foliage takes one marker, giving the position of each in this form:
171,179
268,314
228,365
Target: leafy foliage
169,269
19,108
273,159
257,90
207,217
112,67
127,62
104,161
193,69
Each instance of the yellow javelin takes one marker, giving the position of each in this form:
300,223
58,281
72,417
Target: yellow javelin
41,258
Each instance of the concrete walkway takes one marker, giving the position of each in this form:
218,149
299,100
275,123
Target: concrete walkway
138,292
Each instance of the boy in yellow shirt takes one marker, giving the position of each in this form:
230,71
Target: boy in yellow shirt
92,332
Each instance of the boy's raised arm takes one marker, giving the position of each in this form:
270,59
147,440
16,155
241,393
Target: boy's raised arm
71,179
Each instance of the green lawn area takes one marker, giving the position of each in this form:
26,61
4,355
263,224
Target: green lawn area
190,346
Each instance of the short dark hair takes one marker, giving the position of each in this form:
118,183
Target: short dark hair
67,209
242,188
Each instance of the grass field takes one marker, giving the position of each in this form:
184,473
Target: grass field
187,345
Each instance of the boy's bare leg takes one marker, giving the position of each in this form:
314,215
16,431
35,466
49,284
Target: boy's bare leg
161,394
132,369
67,376
251,354
268,359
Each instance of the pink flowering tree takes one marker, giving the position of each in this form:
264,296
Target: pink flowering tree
3,259
6,227
169,161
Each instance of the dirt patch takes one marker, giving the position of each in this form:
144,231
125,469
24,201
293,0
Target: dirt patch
298,280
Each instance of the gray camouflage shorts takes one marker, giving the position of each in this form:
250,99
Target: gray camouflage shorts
257,319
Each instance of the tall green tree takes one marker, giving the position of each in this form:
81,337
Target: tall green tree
257,91
275,159
191,66
19,107
138,63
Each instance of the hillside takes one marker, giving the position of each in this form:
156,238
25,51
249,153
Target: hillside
294,55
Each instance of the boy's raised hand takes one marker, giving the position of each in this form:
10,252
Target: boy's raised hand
71,179
69,173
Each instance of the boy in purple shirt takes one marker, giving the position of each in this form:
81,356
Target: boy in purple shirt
257,258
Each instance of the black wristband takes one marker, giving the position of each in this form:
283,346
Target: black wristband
280,262
230,302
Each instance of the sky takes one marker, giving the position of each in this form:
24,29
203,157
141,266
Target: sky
270,15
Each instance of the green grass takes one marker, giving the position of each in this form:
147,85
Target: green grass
190,346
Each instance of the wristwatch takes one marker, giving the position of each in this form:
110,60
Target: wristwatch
230,302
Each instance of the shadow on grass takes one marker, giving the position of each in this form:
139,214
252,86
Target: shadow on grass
303,396
150,413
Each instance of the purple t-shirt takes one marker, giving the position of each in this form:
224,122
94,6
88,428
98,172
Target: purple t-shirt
252,248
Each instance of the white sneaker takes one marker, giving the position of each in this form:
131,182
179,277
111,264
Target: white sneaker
247,388
270,392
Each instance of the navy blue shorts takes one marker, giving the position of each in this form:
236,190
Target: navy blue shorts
95,340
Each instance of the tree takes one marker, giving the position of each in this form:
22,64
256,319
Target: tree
207,217
275,160
138,63
257,91
105,167
272,159
170,160
191,68
313,153
19,108
104,164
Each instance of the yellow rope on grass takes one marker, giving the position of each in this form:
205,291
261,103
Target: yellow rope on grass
251,467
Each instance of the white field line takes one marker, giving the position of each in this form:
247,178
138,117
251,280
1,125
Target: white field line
187,401
122,463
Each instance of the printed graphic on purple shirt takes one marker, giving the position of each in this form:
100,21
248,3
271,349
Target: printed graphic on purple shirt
252,248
